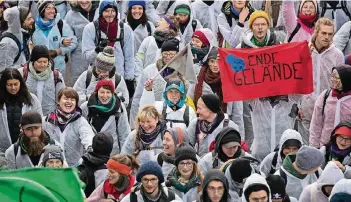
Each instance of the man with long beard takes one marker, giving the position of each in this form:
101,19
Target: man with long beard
27,150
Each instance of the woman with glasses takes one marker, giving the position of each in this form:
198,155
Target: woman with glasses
339,148
332,106
185,178
120,179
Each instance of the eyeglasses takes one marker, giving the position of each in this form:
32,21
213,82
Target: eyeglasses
342,139
168,55
187,164
146,181
215,189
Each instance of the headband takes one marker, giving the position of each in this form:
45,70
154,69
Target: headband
118,167
169,21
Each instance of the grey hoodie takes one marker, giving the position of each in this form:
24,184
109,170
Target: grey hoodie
214,174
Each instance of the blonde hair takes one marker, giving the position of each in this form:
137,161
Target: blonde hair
322,21
148,111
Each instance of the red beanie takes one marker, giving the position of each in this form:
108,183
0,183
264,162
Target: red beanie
104,82
201,36
343,130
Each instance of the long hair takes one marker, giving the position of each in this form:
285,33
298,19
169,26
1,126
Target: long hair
127,160
143,19
23,93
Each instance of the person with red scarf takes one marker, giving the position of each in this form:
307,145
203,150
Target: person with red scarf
119,180
334,109
300,28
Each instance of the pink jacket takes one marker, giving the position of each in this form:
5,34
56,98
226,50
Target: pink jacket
335,111
290,22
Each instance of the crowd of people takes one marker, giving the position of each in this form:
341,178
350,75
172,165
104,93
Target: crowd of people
86,84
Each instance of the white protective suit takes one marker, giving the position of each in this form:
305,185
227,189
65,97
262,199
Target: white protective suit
343,186
342,38
255,179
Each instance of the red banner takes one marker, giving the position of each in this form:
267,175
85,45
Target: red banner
262,72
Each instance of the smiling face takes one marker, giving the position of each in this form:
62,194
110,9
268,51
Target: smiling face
168,55
109,15
202,111
137,11
335,81
28,22
168,144
67,104
113,176
308,8
104,95
148,123
259,28
213,64
49,12
197,43
41,64
343,142
13,86
162,25
186,168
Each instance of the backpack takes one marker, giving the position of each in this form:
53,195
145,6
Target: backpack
326,95
88,177
56,75
60,27
343,6
185,116
283,175
90,74
98,38
255,164
134,198
13,37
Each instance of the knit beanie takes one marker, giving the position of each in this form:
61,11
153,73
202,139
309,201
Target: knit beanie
177,135
212,102
150,168
201,36
258,14
184,152
102,144
133,3
39,51
308,158
24,12
105,4
240,169
344,72
255,188
170,45
213,54
52,151
277,185
42,4
31,118
233,137
205,35
105,82
105,60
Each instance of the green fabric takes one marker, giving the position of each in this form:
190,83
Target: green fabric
184,11
257,43
40,184
288,166
193,182
108,107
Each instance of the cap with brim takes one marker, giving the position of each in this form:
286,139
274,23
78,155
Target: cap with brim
32,125
231,144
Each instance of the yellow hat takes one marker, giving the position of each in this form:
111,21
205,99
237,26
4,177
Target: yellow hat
258,14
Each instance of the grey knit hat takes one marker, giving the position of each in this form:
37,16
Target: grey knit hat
52,152
308,158
105,60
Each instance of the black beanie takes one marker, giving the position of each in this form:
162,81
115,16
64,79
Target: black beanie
292,143
231,136
170,45
39,51
184,152
212,102
24,12
240,169
255,188
102,144
344,72
277,185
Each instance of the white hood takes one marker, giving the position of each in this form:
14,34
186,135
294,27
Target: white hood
12,16
288,134
330,175
255,179
343,186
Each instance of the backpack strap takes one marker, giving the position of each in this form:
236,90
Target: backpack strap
326,95
88,77
117,115
274,163
344,8
171,195
170,3
25,72
160,159
225,123
15,151
13,37
56,76
117,79
283,175
297,28
164,109
324,7
186,116
60,27
97,33
121,35
148,27
215,160
194,25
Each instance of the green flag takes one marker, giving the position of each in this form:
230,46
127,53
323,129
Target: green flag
40,184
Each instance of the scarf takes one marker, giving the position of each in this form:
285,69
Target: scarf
180,184
148,138
110,29
339,95
94,103
161,36
234,12
288,166
133,23
214,81
40,76
199,53
337,154
208,127
44,25
258,43
112,189
307,20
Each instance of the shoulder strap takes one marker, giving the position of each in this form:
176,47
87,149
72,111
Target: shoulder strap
186,116
225,123
97,33
117,79
117,115
194,24
324,7
133,196
274,163
169,5
56,76
297,28
15,151
13,37
325,100
60,26
171,195
215,159
317,174
148,27
88,77
121,35
160,159
283,175
344,8
25,72
164,109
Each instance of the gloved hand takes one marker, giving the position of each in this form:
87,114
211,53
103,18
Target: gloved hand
53,53
131,87
101,46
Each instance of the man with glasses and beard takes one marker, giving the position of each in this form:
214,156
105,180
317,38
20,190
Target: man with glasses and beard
27,150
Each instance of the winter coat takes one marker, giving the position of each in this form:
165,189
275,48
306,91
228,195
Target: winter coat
120,134
342,40
144,155
85,92
46,91
8,47
148,98
75,139
202,147
207,15
346,162
313,192
338,16
140,197
266,164
5,138
342,187
323,64
335,111
124,58
255,179
77,21
140,33
234,109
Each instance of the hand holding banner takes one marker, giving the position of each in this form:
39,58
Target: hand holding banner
268,71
